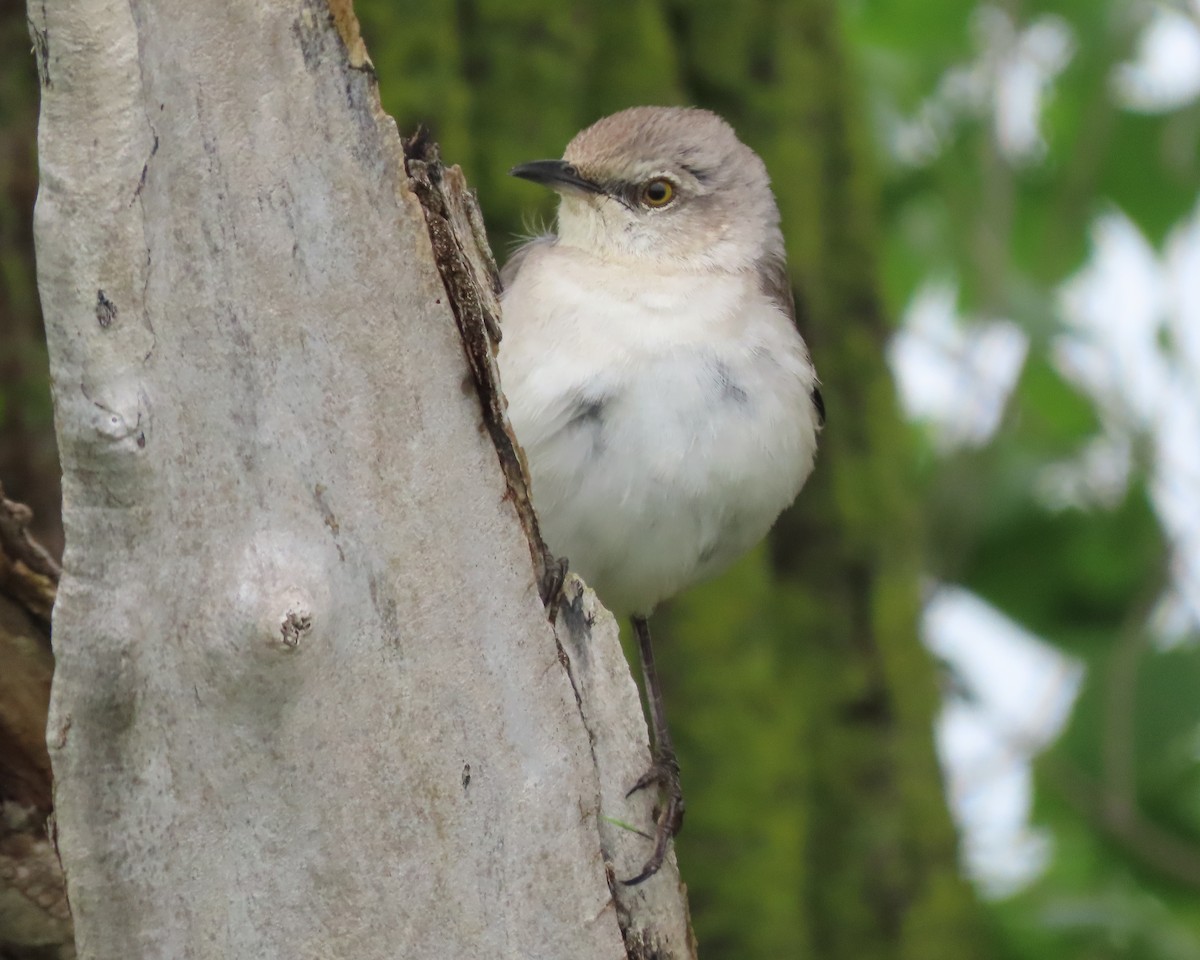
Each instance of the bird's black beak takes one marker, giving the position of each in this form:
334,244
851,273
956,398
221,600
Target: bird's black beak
555,174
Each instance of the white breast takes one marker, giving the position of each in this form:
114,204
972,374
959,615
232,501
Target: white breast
665,427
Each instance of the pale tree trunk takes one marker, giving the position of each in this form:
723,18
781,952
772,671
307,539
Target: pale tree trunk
307,700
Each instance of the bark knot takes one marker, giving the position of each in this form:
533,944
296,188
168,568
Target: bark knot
295,625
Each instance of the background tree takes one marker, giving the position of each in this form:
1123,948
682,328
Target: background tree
28,454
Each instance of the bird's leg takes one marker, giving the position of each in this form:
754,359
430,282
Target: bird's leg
664,771
553,577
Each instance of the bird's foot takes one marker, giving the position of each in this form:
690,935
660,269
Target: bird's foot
553,577
664,774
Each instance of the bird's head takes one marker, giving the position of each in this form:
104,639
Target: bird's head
670,185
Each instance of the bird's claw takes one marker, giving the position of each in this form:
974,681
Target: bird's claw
664,774
553,577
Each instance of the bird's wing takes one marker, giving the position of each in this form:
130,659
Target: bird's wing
512,267
776,285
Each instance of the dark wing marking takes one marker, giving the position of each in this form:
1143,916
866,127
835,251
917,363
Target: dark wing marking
819,403
588,414
730,389
509,273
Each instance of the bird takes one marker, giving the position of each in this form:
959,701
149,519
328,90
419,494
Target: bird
655,377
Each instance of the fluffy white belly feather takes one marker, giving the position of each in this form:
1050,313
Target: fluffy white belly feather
665,429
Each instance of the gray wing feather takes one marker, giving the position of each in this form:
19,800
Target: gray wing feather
775,284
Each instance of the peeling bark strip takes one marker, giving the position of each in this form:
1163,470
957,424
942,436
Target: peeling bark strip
34,916
653,917
27,571
473,288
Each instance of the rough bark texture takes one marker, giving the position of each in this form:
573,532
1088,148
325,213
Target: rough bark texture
34,919
653,916
307,700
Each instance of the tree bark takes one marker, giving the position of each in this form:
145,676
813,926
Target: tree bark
35,923
308,702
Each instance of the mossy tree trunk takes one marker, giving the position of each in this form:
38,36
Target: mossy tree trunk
28,455
878,874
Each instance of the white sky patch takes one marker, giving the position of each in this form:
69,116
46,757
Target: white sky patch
1010,79
1164,74
1097,476
1114,308
1029,62
1181,258
954,375
1133,343
1022,691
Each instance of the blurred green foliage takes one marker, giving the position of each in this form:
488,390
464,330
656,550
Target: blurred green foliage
801,700
1118,792
28,453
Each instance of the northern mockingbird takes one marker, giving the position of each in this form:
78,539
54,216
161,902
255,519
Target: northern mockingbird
655,378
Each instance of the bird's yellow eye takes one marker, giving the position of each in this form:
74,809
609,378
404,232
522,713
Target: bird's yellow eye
658,192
